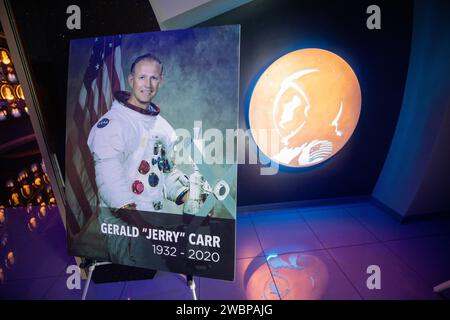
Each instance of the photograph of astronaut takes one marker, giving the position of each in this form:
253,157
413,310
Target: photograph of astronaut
150,178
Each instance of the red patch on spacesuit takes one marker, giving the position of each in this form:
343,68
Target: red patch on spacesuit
144,167
137,187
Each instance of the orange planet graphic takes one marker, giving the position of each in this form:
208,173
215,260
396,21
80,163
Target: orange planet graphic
305,107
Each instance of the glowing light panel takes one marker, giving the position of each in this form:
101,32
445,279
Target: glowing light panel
305,107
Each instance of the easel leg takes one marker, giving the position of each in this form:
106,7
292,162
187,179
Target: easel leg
88,281
441,287
191,285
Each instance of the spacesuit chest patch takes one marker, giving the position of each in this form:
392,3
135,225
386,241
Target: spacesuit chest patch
153,179
144,167
103,123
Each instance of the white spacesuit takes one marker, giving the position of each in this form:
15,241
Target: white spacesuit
132,151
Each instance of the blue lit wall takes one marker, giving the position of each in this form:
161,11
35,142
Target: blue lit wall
416,175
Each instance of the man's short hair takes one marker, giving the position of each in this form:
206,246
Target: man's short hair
148,56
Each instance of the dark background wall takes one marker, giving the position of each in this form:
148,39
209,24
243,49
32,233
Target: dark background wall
270,29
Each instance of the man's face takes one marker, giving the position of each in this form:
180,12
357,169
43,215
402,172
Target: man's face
144,82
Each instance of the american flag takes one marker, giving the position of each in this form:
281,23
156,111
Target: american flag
103,77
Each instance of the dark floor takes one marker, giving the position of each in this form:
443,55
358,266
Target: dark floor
306,253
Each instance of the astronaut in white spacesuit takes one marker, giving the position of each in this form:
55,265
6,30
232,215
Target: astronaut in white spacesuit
132,147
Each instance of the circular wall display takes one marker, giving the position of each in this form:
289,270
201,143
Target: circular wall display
305,107
7,92
19,92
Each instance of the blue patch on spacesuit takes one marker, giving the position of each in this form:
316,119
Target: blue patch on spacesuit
153,179
103,123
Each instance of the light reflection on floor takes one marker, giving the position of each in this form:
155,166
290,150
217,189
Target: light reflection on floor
294,276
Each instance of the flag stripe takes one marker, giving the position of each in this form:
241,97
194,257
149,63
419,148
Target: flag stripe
103,76
77,186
